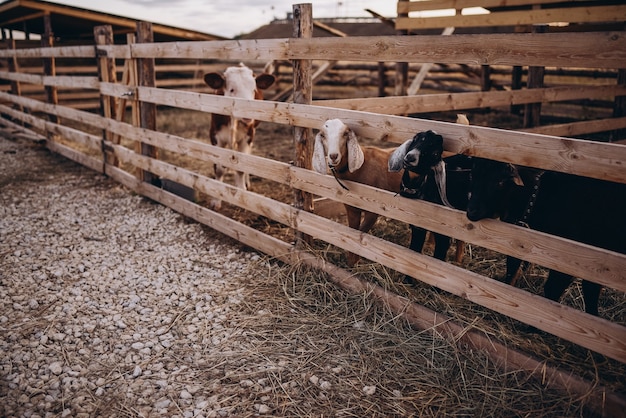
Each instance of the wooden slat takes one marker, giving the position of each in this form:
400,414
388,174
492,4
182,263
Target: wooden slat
57,81
421,5
398,105
85,51
520,17
580,128
583,50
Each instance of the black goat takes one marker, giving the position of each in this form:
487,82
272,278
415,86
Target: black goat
579,208
429,177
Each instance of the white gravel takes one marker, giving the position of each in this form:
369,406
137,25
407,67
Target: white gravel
105,294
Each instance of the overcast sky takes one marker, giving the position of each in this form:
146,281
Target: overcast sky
228,18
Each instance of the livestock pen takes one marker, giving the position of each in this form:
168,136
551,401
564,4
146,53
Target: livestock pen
74,134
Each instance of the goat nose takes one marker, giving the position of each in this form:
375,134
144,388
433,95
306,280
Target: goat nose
409,159
333,156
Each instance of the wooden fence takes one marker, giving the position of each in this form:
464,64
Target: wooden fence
105,153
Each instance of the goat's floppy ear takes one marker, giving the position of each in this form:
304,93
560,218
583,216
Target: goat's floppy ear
355,153
396,158
318,161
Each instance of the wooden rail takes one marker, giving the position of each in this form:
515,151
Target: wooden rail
535,13
598,160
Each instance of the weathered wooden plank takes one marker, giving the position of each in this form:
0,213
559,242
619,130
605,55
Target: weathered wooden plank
246,50
583,50
79,137
518,17
580,128
85,51
75,155
57,81
421,5
427,103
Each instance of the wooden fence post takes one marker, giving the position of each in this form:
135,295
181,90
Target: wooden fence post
532,111
402,68
49,68
147,111
516,84
106,73
13,66
619,108
302,93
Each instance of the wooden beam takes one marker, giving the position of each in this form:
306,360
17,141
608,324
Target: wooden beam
147,111
514,18
302,94
422,5
442,102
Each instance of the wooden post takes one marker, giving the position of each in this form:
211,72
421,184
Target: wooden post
49,68
106,73
382,79
485,78
402,68
532,111
516,84
619,108
13,66
147,111
302,94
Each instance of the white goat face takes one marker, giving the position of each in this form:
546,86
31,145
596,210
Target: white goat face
334,136
335,141
239,83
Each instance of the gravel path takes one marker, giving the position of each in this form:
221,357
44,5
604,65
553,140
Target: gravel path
104,293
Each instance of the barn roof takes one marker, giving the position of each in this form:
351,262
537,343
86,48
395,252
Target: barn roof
71,23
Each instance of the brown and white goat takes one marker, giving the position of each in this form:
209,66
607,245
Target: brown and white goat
235,133
337,148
